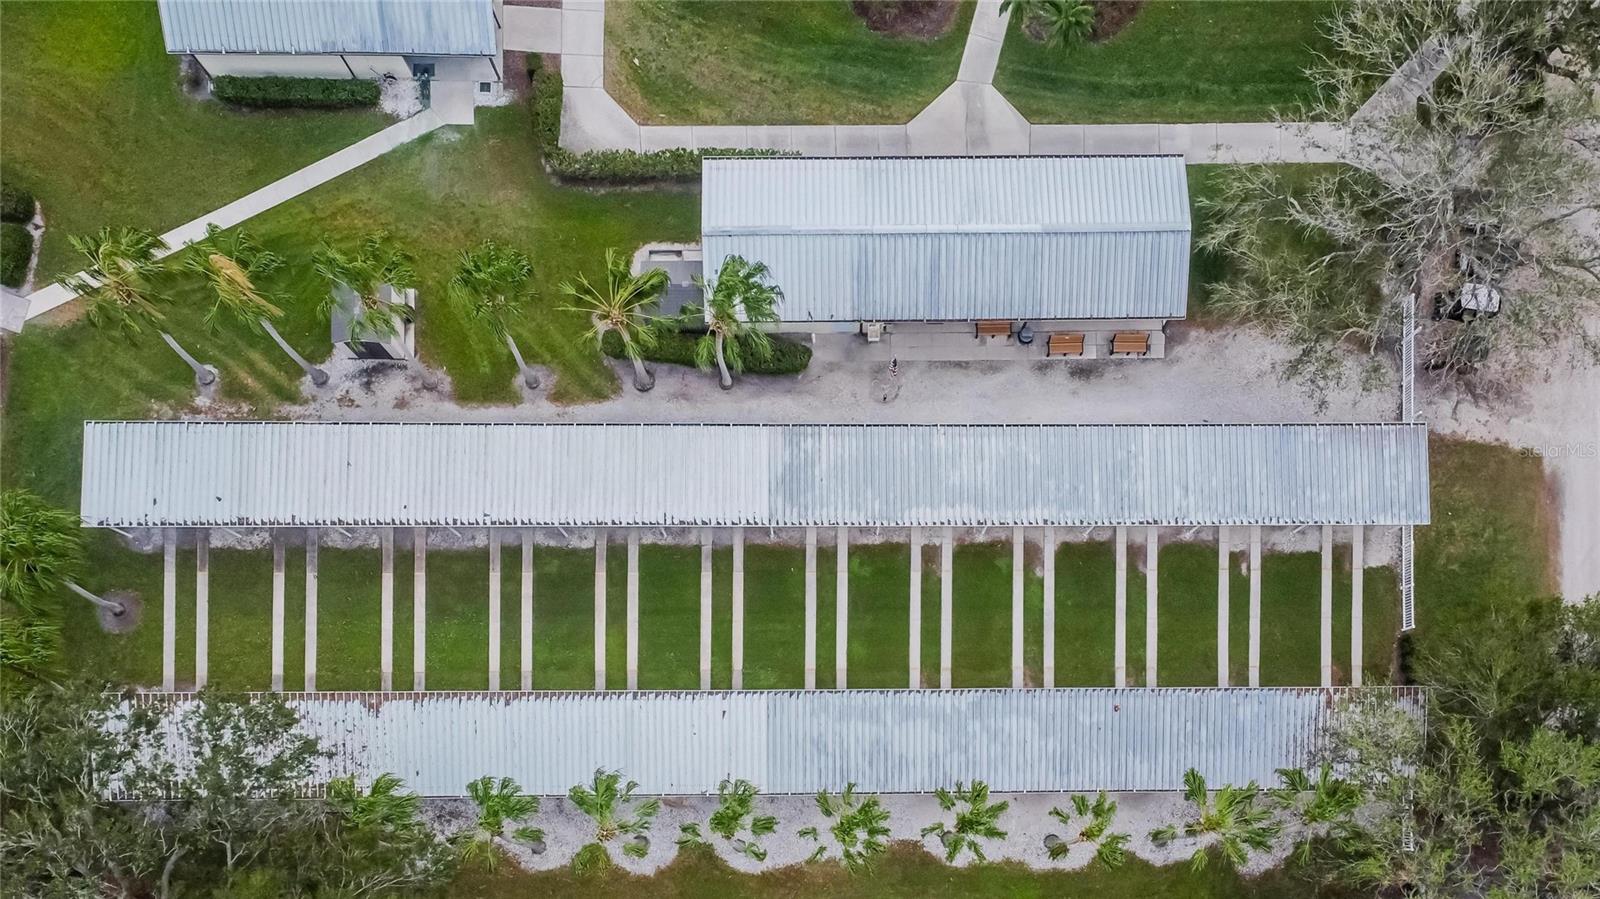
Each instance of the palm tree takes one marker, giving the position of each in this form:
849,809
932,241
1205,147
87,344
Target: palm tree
498,803
490,286
978,821
624,306
119,263
1317,805
739,297
41,550
1064,22
605,799
231,266
1230,818
1110,849
375,265
861,827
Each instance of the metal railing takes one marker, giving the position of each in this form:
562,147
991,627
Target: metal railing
1408,413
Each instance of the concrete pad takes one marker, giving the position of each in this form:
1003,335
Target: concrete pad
730,136
584,5
1247,142
591,120
455,102
940,129
583,71
980,57
664,137
857,140
1313,142
583,31
1122,139
811,140
770,137
1175,139
529,29
892,140
1056,140
994,127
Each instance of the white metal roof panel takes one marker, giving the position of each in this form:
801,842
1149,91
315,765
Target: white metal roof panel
1042,237
410,27
193,473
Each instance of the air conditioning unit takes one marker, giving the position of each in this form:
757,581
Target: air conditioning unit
873,330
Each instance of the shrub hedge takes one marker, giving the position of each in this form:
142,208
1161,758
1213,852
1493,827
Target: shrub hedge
677,348
611,166
16,204
16,250
276,92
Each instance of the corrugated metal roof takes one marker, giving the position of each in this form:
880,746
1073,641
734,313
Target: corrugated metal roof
421,27
192,473
1035,237
886,741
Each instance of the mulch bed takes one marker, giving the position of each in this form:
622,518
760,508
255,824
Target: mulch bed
921,19
1110,17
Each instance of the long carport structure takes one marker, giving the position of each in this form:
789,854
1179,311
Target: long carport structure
1028,479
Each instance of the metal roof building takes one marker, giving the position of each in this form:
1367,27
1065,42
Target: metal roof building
886,741
420,27
291,474
949,239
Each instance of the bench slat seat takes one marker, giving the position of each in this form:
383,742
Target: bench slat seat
1065,345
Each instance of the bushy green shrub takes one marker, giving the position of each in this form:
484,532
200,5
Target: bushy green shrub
276,92
16,249
612,166
16,204
677,348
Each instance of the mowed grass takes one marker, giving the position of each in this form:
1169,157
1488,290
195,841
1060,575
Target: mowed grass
97,126
878,627
1188,61
771,63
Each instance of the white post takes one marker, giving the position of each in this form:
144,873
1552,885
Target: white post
947,564
526,624
1254,661
841,608
202,606
169,609
631,610
1120,650
311,610
1018,560
419,609
1050,547
386,612
600,608
277,613
1151,591
1327,605
738,608
494,610
914,650
811,609
705,608
1223,573
1358,568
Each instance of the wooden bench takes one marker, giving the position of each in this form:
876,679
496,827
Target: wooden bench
1130,343
1064,345
994,328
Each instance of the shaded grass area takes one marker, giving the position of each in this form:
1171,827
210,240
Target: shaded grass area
905,871
771,63
98,127
1176,62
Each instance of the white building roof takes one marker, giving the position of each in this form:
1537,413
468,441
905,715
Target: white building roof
930,238
405,27
176,473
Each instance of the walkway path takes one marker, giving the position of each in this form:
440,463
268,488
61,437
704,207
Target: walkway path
971,117
279,191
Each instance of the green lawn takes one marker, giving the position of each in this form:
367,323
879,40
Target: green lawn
1189,61
770,63
97,127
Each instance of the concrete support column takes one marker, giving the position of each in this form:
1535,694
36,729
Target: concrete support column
738,608
1120,649
202,606
1255,605
705,608
386,611
811,609
419,609
1151,591
277,613
1327,605
494,610
631,640
311,609
1049,546
1224,571
525,631
947,565
1018,562
841,608
169,609
914,613
1358,587
600,608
